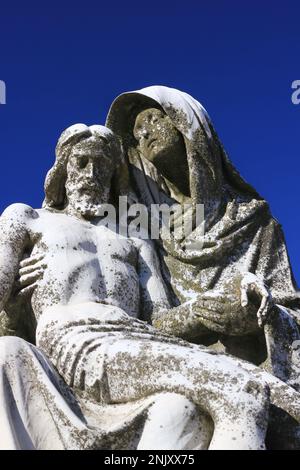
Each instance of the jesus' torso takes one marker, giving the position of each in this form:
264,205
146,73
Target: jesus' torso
83,263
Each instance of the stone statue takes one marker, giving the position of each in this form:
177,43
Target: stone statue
240,277
99,377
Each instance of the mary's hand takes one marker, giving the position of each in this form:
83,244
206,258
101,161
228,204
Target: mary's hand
216,312
17,319
241,308
31,270
252,284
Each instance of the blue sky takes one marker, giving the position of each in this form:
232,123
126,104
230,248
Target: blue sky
65,62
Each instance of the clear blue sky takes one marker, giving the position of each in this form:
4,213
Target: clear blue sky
65,62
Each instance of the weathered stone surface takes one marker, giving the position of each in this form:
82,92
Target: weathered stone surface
92,374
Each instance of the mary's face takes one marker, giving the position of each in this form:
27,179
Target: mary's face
156,135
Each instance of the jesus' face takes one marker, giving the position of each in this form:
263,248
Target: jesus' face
89,173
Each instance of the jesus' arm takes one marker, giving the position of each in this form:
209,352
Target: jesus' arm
14,238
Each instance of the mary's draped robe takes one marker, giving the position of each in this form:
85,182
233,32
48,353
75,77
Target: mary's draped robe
240,233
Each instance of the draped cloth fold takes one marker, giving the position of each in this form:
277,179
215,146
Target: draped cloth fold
240,233
55,395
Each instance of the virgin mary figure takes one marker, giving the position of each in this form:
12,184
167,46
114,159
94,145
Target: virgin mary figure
239,274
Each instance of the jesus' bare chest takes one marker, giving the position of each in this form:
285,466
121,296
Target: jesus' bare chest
84,262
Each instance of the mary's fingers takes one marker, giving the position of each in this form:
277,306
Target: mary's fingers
211,306
212,324
27,290
263,317
31,260
263,304
244,296
30,278
260,289
212,298
264,310
32,268
212,316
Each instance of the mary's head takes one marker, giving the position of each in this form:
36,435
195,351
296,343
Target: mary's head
162,144
157,126
158,139
169,138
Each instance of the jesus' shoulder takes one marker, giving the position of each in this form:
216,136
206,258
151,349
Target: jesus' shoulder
15,239
84,262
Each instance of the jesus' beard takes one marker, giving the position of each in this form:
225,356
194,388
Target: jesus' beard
88,205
